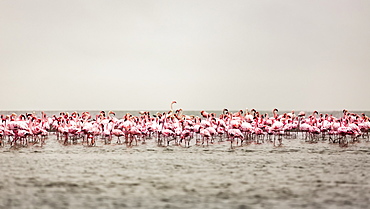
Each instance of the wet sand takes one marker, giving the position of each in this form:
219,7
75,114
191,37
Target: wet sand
295,175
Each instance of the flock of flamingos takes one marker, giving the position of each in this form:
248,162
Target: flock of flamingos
175,128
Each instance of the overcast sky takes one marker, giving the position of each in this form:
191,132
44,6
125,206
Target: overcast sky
141,55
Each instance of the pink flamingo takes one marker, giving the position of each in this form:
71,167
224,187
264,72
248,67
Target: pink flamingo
168,135
233,134
186,136
277,130
118,133
204,132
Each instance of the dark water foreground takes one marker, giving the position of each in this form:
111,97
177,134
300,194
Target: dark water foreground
295,175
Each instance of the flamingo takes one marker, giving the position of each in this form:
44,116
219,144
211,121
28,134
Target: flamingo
186,136
118,133
248,117
235,133
175,125
168,134
171,112
277,130
246,128
204,132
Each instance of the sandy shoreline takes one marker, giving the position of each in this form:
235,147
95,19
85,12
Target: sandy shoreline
296,175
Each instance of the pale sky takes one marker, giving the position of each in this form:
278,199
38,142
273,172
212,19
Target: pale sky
206,55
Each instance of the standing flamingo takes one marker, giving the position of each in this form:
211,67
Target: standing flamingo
204,132
171,112
233,134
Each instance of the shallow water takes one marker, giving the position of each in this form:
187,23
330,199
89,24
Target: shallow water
294,175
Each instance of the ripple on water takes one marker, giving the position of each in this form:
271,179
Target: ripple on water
295,174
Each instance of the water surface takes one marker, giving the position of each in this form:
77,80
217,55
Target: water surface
294,175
